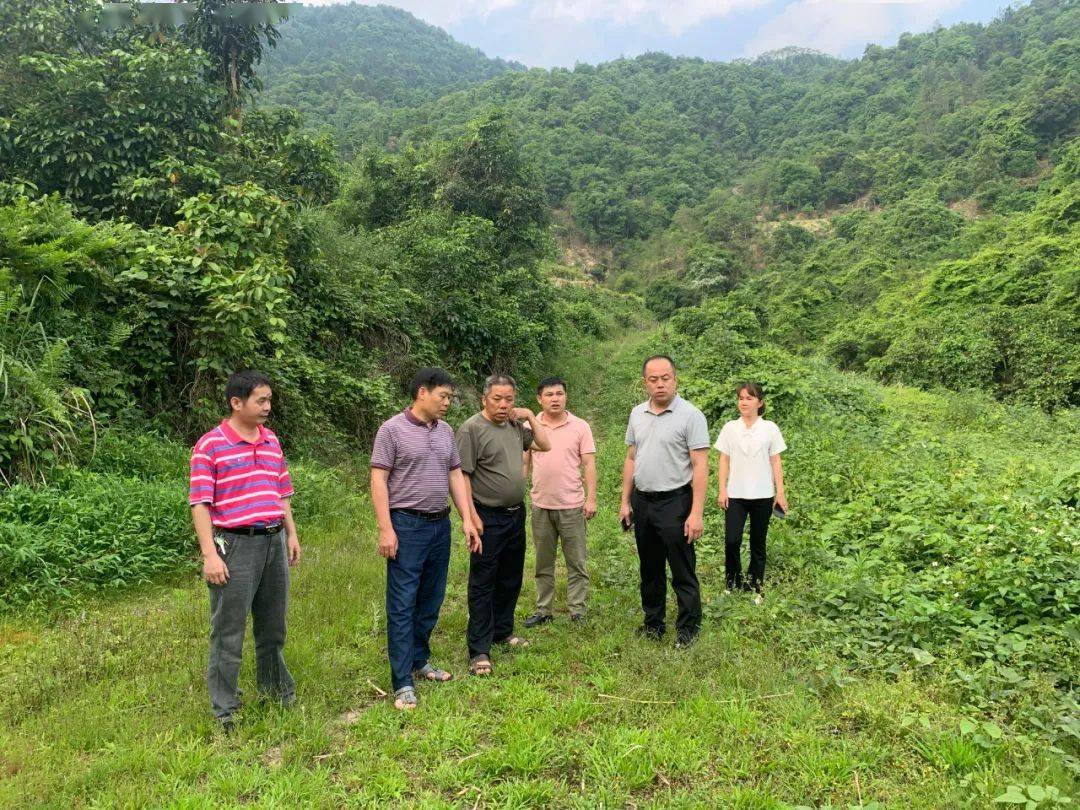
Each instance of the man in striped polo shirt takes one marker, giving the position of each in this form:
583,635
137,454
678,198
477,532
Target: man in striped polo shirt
414,466
239,496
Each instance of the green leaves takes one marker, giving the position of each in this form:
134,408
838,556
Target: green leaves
1033,796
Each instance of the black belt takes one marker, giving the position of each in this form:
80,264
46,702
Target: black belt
432,516
502,510
660,496
251,531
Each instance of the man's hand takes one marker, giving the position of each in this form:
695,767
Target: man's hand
781,501
522,414
292,545
722,499
590,509
214,570
693,528
388,544
626,514
472,538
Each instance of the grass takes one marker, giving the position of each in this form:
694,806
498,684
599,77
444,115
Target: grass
108,707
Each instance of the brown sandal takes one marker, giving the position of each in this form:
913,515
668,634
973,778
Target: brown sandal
480,665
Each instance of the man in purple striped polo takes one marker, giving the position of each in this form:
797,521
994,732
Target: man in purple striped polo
414,466
239,495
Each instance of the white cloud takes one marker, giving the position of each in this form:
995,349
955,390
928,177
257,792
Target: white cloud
836,26
676,17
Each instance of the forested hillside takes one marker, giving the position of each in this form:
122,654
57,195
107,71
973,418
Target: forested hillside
346,63
962,111
826,191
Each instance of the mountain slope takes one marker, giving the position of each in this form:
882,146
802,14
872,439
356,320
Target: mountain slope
332,60
967,110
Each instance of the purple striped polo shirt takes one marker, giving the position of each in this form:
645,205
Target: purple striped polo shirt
419,457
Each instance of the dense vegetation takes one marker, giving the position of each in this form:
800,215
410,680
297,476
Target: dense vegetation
344,63
146,253
937,173
937,534
911,216
964,111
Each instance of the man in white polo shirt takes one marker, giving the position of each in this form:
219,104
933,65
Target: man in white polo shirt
560,504
665,476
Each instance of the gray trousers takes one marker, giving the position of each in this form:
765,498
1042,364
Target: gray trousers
549,526
258,584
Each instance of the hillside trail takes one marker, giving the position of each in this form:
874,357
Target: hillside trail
108,706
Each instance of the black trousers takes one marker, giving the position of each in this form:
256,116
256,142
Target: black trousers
495,576
658,530
759,510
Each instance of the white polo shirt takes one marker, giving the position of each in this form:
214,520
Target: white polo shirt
750,450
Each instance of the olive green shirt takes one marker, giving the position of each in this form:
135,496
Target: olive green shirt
491,457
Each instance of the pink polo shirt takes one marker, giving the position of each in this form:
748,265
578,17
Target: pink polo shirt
556,477
242,482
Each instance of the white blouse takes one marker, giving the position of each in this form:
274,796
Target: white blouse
750,450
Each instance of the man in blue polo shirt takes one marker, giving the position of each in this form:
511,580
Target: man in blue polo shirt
414,465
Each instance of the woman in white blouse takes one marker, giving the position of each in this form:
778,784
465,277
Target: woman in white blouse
751,483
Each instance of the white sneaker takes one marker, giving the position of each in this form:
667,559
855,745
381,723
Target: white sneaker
758,599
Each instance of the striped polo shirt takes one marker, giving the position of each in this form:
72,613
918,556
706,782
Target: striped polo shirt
243,482
419,457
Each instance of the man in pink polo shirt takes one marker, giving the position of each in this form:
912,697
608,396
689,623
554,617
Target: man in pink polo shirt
239,495
560,505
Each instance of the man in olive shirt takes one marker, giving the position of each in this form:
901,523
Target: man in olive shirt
491,445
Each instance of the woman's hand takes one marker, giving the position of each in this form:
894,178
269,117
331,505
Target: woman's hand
781,501
722,499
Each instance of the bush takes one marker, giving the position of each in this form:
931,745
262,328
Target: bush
121,521
936,533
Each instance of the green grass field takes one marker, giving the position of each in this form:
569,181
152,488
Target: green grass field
107,707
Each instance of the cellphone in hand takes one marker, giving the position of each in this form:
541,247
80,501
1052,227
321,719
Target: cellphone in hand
778,512
626,523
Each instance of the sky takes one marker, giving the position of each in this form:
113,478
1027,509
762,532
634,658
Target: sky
561,33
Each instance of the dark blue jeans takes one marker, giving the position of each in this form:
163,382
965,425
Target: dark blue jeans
415,587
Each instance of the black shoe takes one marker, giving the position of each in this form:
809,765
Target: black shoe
228,726
651,632
577,618
684,640
538,619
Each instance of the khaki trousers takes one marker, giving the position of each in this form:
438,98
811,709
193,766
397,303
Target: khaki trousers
548,526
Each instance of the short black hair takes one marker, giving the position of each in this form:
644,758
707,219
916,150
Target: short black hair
242,383
656,357
430,378
550,382
755,390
